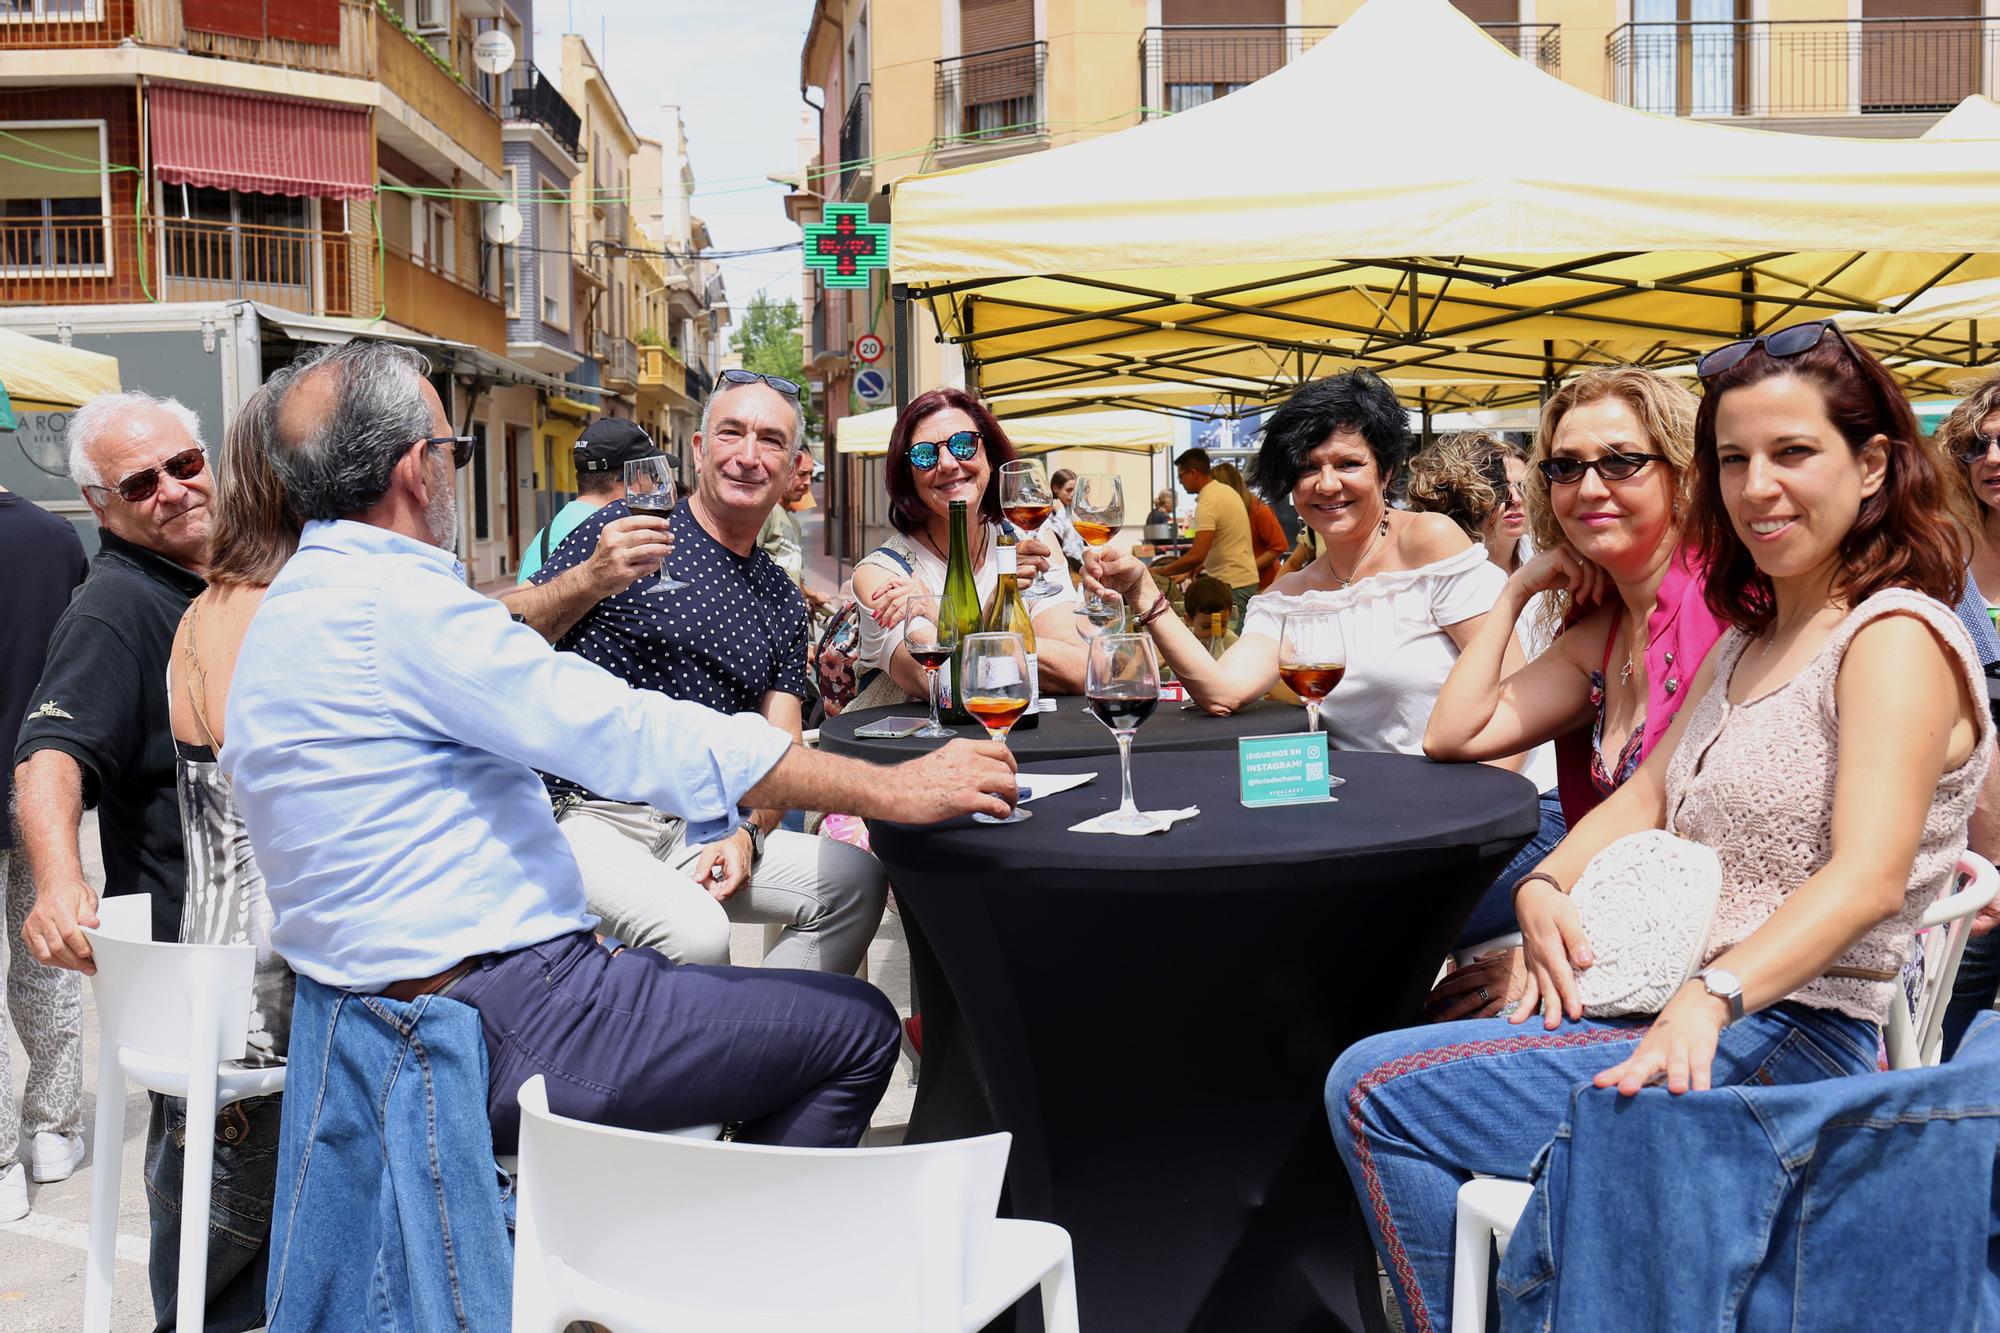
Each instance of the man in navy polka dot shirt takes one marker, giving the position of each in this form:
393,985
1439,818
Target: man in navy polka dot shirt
735,639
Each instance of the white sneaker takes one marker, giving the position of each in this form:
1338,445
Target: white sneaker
13,1193
55,1156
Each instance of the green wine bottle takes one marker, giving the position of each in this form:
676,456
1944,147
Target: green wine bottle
1007,613
960,610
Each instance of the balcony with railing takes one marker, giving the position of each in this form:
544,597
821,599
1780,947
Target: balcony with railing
991,103
662,374
531,99
1186,65
1804,67
65,24
856,144
620,357
75,260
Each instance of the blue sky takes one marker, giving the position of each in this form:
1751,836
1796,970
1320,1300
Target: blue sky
733,68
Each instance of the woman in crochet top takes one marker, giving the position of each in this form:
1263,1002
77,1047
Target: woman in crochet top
1835,744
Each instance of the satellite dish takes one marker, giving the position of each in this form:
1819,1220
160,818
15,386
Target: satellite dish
493,51
501,224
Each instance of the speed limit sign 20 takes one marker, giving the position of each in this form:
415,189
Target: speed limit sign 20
869,348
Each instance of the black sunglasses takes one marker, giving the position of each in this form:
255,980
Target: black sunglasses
778,382
963,444
1977,448
139,487
461,447
1611,467
1785,342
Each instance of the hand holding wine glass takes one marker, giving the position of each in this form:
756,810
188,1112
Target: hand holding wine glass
1027,501
1122,687
649,489
930,638
1312,659
994,679
1097,511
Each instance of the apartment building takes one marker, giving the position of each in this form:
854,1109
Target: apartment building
914,85
682,306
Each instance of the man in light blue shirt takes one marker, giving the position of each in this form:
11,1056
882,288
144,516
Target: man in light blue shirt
385,723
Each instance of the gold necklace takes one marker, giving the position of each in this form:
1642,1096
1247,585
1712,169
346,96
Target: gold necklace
1381,531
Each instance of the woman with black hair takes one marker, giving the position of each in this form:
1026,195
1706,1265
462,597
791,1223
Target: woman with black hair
1409,589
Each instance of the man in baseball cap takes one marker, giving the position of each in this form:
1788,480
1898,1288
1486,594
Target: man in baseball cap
602,452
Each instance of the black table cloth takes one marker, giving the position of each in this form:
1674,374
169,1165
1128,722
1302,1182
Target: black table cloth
1993,697
1071,731
1153,1018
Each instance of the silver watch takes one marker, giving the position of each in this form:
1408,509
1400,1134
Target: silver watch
1723,985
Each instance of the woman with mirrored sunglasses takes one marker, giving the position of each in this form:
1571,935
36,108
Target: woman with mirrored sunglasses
947,446
1606,486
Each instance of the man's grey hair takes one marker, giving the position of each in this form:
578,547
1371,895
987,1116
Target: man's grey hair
723,386
95,419
338,463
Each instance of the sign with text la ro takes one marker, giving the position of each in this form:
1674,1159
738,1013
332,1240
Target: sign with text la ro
1283,770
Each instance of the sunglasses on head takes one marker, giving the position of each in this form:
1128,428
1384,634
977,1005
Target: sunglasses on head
778,382
1611,467
1792,341
461,446
963,445
140,486
1977,447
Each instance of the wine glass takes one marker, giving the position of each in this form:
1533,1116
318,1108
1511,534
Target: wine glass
1096,512
649,489
930,637
1027,501
1312,657
1121,684
993,675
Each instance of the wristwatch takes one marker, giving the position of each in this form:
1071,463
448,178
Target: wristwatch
1723,985
756,840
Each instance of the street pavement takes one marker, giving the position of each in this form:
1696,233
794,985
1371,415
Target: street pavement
42,1256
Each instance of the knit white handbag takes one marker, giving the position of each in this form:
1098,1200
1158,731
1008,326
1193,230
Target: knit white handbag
1647,903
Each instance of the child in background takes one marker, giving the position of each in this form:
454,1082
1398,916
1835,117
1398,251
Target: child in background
1204,600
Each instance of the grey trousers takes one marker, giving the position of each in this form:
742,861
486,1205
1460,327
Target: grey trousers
46,1006
636,862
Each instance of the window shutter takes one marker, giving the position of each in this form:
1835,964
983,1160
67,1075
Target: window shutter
1918,66
238,18
984,25
1489,11
1222,11
315,21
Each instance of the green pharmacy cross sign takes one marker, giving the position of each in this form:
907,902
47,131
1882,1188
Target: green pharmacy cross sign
844,245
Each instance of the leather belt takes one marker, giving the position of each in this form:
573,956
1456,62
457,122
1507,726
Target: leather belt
404,992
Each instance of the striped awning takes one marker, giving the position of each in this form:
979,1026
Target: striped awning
262,145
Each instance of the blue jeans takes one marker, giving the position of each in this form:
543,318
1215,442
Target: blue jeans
1861,1202
1494,913
1973,990
387,1214
239,1218
1415,1113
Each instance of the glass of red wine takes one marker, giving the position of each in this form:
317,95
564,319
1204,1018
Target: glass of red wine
1312,658
649,489
1122,687
1027,501
993,670
930,637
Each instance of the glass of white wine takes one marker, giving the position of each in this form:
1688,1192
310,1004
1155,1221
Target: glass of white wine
1097,511
994,672
1312,659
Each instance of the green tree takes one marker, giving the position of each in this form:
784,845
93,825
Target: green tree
771,342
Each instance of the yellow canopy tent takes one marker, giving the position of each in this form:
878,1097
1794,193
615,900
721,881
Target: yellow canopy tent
40,376
1484,223
1122,432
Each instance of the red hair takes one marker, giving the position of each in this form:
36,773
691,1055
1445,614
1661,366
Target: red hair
907,511
1905,535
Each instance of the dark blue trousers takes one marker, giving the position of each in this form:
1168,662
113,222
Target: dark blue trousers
637,1041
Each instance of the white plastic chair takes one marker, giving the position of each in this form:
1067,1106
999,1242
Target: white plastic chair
1490,1208
172,1018
635,1230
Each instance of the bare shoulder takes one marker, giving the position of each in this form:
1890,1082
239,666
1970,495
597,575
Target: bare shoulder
1423,539
1894,644
1582,643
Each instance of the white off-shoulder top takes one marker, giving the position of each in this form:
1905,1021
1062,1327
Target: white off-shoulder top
1398,653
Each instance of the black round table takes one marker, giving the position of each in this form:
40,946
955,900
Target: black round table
1153,1018
1071,731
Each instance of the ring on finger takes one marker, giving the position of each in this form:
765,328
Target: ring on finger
1485,996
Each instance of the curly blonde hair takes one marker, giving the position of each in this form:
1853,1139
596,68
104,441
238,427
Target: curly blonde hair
1665,408
1462,476
1982,400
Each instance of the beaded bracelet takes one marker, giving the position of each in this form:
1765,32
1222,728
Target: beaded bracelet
1158,609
